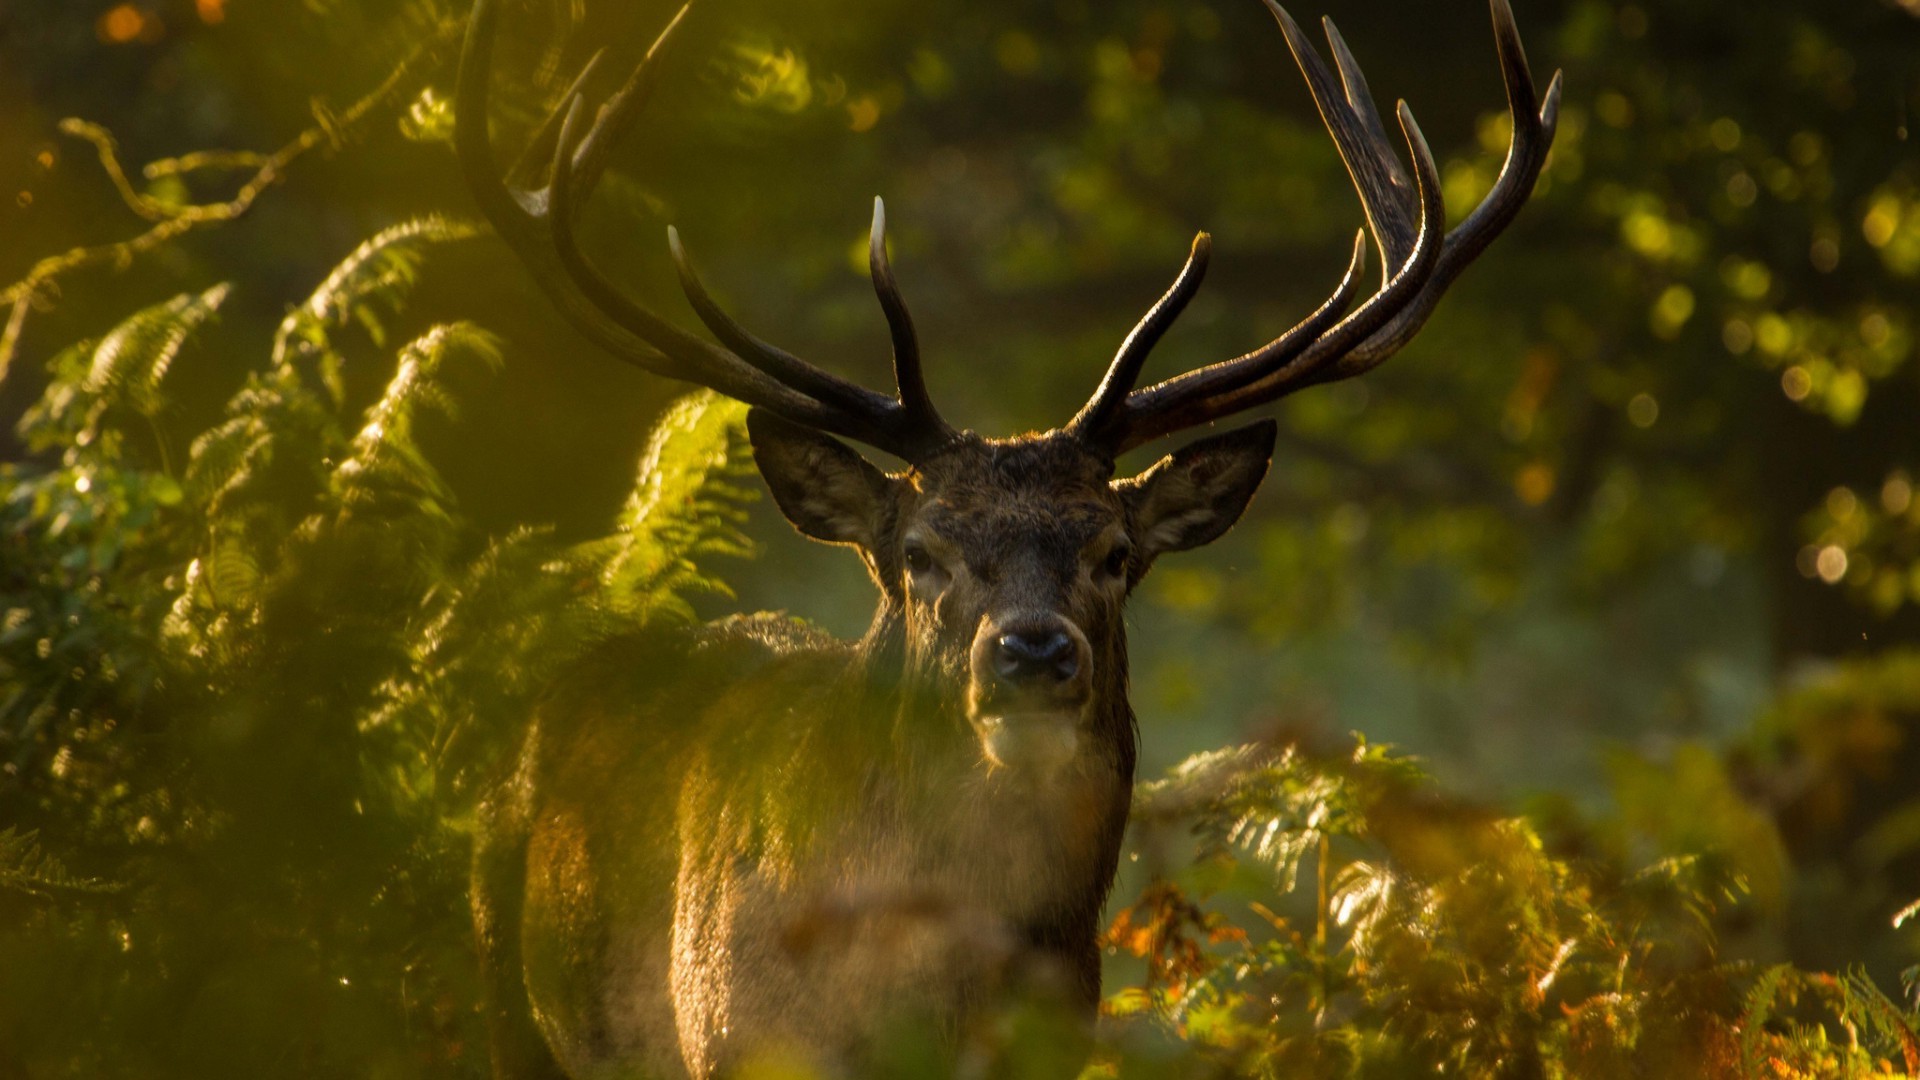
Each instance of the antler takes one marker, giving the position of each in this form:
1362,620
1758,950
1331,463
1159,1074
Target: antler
1406,218
537,223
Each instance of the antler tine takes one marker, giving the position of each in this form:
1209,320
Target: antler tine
829,403
1422,259
590,160
762,354
1534,124
907,373
1302,354
1386,162
1124,372
538,226
1360,99
1359,136
537,155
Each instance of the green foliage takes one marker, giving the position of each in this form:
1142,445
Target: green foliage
1445,937
27,869
255,706
247,692
242,697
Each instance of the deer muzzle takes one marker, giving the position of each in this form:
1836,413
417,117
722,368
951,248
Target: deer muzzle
1028,695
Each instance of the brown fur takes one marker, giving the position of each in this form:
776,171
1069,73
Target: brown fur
757,840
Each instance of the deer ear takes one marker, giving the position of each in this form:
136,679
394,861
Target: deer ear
1195,494
825,489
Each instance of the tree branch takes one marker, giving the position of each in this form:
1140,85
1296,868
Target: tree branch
170,222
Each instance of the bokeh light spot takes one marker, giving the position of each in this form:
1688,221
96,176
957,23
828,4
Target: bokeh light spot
1671,311
1824,254
1534,483
1881,221
211,11
1796,383
1742,190
1841,503
121,25
1774,334
1613,108
1737,336
1896,494
863,112
1831,564
1643,410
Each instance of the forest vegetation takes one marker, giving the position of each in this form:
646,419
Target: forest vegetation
1554,711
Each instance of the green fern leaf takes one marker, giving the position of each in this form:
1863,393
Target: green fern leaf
376,276
26,868
384,454
130,361
689,503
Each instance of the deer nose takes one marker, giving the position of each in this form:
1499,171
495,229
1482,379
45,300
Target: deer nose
1033,655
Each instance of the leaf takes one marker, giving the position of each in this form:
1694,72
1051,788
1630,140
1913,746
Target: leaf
379,273
1905,913
26,868
690,502
130,361
384,454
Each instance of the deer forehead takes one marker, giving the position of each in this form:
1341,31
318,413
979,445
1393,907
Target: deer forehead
1036,471
989,497
989,529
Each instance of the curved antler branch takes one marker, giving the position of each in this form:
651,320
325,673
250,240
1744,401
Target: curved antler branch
1407,219
538,224
1124,372
907,374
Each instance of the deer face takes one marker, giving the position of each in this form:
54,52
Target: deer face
1008,563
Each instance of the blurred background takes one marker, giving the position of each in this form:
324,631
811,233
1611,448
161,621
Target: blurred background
1629,529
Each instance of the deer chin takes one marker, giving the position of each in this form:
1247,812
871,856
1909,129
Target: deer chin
1036,744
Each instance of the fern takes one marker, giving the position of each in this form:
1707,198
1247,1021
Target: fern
689,502
122,370
278,405
27,869
493,637
375,278
384,454
131,360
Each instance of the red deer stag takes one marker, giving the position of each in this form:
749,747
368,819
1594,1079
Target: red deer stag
798,843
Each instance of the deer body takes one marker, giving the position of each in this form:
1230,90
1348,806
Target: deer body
758,843
800,840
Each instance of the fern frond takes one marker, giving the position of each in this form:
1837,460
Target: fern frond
219,458
690,502
379,273
384,452
25,867
493,637
130,361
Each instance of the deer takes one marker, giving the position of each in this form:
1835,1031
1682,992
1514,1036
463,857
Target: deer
796,844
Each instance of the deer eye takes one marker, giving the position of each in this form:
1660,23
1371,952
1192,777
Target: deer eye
1117,560
918,561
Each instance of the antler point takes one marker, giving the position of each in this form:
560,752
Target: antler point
1287,26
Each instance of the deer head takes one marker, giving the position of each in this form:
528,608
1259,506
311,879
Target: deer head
1003,564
